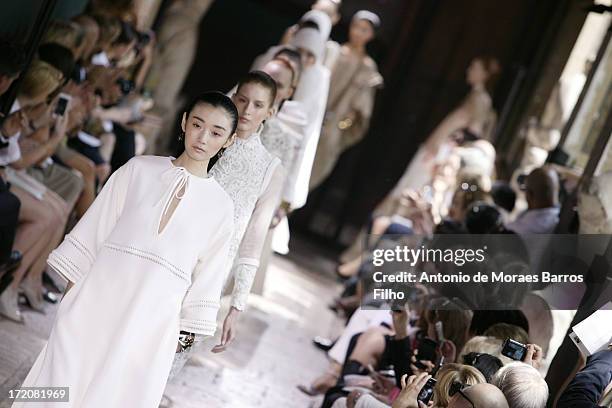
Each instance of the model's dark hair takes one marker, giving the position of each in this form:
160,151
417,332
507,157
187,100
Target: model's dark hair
293,55
13,58
308,24
260,78
217,100
57,56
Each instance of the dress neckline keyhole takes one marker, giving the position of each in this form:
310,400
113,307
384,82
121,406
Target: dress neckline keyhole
170,208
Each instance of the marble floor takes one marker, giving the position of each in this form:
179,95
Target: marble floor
271,355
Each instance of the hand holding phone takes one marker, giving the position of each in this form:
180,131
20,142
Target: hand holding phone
63,102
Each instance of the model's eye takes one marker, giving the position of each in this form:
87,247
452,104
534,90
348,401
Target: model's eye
259,105
196,125
217,134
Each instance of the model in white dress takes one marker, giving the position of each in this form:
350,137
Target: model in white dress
134,289
148,259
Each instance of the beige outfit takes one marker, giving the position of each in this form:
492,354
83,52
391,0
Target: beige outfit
350,103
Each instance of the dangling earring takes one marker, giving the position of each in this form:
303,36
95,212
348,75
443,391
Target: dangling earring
181,137
221,151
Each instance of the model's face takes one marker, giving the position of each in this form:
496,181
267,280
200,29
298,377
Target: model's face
308,58
476,72
282,75
207,130
254,106
361,32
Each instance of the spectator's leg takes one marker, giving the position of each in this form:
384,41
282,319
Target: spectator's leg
32,283
88,170
102,172
370,346
36,220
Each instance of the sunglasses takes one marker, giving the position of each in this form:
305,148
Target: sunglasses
457,388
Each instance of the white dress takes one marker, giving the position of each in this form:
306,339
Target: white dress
116,330
253,178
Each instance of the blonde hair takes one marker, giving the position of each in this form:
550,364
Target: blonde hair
451,373
40,79
484,344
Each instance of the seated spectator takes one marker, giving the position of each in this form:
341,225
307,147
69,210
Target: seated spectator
40,80
522,385
43,214
542,194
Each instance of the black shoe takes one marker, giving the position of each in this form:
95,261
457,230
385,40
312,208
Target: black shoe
323,343
51,297
50,283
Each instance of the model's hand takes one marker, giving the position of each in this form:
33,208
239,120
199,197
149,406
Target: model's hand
278,217
229,333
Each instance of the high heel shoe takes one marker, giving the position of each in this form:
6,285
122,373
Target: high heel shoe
33,298
9,307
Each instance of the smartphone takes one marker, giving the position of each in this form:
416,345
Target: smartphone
514,350
427,391
62,104
427,351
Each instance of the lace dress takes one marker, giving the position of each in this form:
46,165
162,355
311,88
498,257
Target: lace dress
253,178
135,287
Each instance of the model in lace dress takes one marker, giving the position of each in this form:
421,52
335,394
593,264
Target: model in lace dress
147,261
253,178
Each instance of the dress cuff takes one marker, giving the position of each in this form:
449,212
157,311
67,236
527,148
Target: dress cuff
244,274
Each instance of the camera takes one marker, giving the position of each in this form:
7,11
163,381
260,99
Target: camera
514,350
427,391
62,104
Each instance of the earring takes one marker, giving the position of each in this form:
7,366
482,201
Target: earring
221,151
181,137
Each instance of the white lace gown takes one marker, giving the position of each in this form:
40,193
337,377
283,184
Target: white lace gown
135,288
253,178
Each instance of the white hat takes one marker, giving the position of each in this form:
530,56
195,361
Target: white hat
368,16
309,38
320,19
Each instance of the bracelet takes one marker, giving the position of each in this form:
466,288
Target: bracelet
186,340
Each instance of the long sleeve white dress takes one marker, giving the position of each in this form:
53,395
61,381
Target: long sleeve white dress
253,178
135,286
